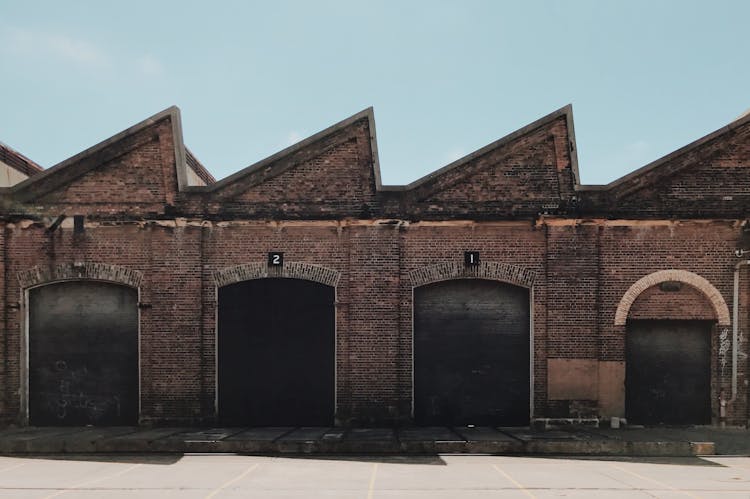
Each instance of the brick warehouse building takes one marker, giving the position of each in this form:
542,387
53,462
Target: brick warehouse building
136,289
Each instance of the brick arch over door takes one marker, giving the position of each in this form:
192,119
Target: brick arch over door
290,270
694,280
512,274
80,271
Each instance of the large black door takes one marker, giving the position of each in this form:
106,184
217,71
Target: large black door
83,354
276,353
471,353
668,372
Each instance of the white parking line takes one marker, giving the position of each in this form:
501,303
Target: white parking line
371,489
233,480
3,470
657,482
514,482
91,482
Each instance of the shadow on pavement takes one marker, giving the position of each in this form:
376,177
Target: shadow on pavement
385,459
150,458
677,461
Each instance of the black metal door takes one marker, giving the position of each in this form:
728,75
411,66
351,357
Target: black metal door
83,354
471,353
668,372
276,353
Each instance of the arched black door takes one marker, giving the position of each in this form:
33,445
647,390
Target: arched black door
668,372
276,353
471,353
83,354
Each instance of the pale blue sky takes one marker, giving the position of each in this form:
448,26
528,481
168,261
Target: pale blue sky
445,78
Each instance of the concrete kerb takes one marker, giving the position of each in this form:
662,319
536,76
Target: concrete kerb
276,441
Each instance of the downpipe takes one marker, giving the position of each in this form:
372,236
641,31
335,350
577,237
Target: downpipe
735,326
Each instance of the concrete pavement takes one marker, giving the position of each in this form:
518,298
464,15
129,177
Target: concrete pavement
221,476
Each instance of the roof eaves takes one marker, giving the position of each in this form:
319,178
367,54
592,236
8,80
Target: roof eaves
194,164
18,161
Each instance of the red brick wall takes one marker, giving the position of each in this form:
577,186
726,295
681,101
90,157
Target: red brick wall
526,176
328,179
170,324
135,176
685,303
575,266
517,243
319,205
630,251
708,181
5,367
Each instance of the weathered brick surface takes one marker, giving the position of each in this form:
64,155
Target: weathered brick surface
520,245
709,180
334,178
6,389
582,253
685,303
135,176
519,178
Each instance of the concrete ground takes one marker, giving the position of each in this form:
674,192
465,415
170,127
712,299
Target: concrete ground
438,476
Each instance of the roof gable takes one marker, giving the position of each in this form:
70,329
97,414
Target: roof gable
147,160
333,171
709,177
725,147
531,167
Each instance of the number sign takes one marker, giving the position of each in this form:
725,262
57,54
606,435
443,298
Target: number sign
275,259
471,258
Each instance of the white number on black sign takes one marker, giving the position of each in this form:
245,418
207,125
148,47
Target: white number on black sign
275,259
471,257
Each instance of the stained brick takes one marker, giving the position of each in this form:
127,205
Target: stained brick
592,258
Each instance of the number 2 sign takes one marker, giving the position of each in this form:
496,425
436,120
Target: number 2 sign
275,259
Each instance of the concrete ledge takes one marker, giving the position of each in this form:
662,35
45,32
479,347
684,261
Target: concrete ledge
437,440
703,448
553,423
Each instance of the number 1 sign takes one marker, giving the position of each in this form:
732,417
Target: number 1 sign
471,258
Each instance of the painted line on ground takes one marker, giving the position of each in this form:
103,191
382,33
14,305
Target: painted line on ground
233,480
514,481
91,482
657,482
371,488
3,470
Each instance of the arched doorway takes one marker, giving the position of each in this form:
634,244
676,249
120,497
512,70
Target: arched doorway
276,353
83,354
669,320
471,353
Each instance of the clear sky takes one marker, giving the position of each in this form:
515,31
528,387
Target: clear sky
444,77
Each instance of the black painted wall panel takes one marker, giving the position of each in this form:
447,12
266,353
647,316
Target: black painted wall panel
668,372
471,353
83,354
276,353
